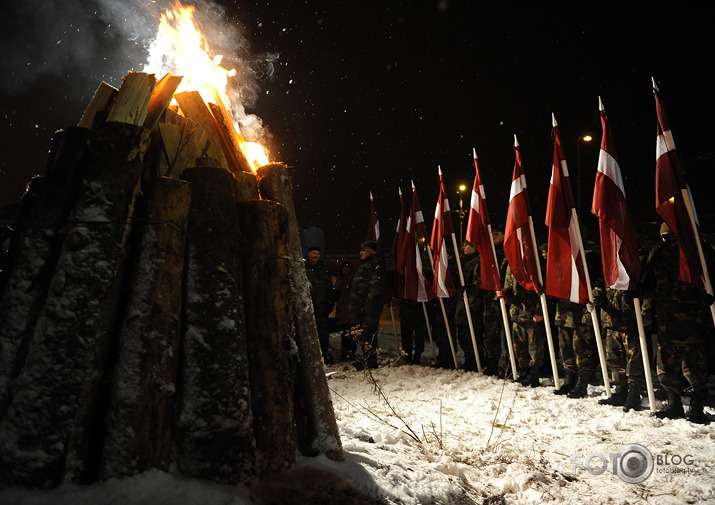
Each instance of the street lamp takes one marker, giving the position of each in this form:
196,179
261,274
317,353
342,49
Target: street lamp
584,138
461,212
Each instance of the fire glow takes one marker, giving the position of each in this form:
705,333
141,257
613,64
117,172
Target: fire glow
181,48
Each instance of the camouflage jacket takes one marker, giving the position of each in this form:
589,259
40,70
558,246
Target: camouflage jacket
523,304
368,290
472,285
321,288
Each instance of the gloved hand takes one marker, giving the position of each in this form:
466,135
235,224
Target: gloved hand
590,307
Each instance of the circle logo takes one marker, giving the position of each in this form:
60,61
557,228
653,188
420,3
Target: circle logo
635,464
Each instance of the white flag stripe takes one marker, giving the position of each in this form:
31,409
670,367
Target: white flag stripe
664,144
474,202
517,187
609,167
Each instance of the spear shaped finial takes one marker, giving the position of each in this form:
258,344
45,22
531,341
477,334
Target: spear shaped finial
553,120
413,184
655,86
474,153
370,195
440,169
516,142
600,104
399,190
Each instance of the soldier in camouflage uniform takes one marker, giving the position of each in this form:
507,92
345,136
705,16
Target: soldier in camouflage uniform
321,292
527,329
493,320
367,299
623,350
681,314
576,345
472,284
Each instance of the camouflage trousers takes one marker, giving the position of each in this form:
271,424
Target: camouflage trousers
576,347
529,344
623,356
493,328
412,327
682,353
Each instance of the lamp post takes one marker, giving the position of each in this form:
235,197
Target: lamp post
461,212
584,138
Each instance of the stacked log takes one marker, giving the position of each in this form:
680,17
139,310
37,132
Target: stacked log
154,313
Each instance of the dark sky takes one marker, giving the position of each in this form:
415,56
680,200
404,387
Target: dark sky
362,97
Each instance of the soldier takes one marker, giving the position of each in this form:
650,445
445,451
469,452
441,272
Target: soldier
472,284
412,330
493,320
623,351
681,314
321,292
527,329
366,300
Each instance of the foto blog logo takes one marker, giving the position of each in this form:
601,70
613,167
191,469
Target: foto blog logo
633,464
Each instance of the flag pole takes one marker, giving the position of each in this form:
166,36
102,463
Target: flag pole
542,299
645,353
505,317
444,316
466,304
398,348
594,317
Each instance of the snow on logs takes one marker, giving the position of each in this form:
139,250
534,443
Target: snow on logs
155,309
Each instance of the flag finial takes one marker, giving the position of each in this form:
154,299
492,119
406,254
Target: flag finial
439,169
399,190
655,86
474,153
553,120
600,104
516,141
413,184
371,195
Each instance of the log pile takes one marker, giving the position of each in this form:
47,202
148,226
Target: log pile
154,309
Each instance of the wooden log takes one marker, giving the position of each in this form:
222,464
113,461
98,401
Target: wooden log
194,143
215,425
101,102
246,187
143,394
194,108
37,239
230,140
133,98
317,428
160,99
170,142
46,430
264,226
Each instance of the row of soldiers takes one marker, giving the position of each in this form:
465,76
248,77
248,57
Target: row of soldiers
676,312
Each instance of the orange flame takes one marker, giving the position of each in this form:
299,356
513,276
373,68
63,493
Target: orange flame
184,51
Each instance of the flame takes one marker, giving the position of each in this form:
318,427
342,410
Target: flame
183,50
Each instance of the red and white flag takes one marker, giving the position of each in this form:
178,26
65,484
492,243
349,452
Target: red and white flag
619,248
416,286
443,286
671,196
373,229
565,268
519,241
397,252
479,233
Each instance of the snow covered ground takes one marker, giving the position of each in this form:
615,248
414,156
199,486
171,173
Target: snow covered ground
444,436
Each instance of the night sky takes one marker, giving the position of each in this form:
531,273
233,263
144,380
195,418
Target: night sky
360,97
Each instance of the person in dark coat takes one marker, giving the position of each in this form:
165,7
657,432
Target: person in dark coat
345,321
321,292
367,298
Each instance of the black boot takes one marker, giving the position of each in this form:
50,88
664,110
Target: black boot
618,398
674,410
695,412
633,400
580,389
568,384
492,367
532,380
416,359
524,376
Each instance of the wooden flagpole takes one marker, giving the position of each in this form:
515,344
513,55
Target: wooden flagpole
444,315
466,304
644,353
